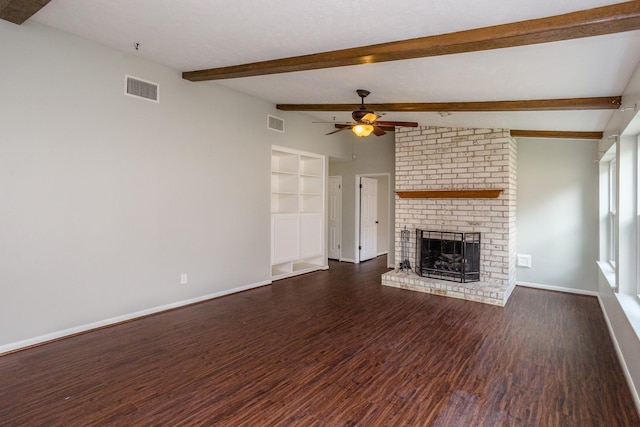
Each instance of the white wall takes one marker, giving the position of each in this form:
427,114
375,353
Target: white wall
105,200
557,213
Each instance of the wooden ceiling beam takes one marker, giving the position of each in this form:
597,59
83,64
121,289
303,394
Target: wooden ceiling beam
586,23
521,133
555,134
595,103
18,11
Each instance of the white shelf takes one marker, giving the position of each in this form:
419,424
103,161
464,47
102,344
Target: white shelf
311,185
311,203
304,265
285,203
285,162
282,269
284,183
312,166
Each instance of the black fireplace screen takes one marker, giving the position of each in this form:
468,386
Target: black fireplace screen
448,255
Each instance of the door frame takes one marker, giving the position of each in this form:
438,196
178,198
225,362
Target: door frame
357,211
340,213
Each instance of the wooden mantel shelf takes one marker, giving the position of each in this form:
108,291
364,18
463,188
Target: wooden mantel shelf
450,194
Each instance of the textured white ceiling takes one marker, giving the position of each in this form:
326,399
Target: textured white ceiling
195,34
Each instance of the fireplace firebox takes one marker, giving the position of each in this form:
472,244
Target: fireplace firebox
448,255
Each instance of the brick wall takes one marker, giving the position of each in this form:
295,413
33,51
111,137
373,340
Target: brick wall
435,158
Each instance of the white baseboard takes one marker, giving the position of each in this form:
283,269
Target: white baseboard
557,288
353,261
6,348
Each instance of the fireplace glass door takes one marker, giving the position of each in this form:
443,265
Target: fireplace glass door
448,255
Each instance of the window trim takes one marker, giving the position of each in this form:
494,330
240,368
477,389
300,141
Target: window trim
637,220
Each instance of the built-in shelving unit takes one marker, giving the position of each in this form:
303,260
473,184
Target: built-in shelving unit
297,212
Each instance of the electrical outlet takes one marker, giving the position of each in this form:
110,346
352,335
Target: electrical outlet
183,279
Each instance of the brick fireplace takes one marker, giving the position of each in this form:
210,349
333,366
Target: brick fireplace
463,181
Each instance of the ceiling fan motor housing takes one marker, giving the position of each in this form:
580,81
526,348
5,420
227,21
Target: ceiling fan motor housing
358,115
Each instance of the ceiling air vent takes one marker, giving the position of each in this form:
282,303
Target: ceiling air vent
139,88
275,123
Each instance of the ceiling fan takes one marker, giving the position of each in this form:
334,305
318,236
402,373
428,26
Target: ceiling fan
366,121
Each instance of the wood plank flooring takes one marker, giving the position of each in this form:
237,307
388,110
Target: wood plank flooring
332,348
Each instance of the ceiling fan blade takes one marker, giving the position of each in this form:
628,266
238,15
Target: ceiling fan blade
338,130
378,131
401,124
337,123
369,117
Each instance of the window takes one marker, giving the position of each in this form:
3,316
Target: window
609,216
612,212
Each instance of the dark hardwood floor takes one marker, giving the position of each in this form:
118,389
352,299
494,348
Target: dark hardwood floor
332,348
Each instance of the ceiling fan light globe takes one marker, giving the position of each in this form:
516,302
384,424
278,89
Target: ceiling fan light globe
362,130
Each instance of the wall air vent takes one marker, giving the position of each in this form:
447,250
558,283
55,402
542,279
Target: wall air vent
275,123
139,88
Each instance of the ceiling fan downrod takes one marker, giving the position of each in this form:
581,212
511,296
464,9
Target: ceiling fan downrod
362,93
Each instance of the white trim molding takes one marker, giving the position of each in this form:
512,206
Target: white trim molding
557,288
43,339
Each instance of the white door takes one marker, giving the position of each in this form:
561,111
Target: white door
335,217
368,218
